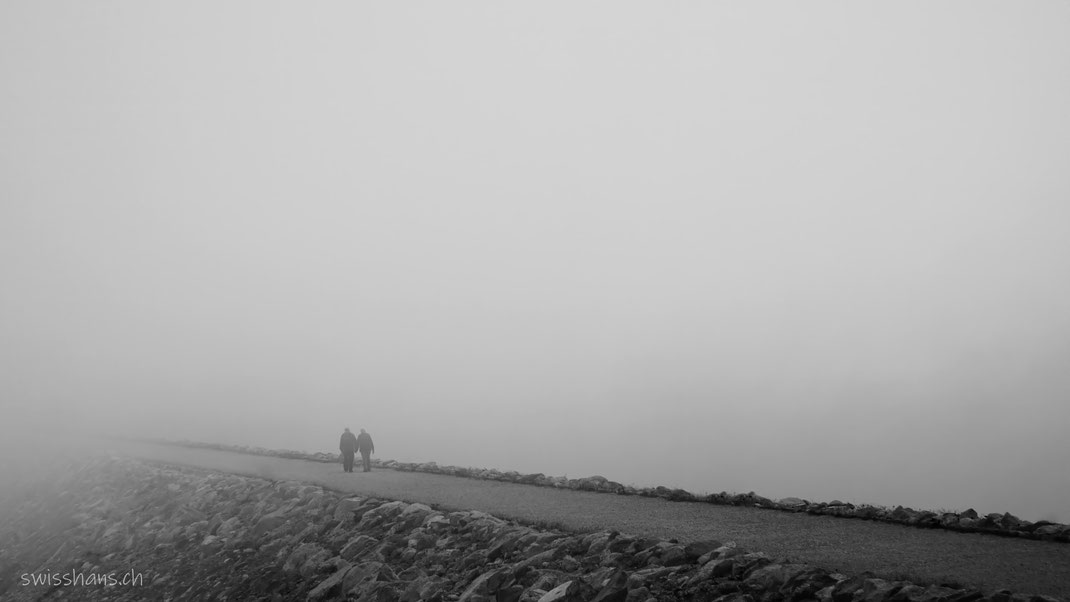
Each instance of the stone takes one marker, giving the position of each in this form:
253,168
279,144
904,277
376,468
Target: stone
613,589
436,522
546,580
305,559
541,559
230,528
488,584
674,555
211,541
925,519
597,543
266,525
345,508
357,547
1048,530
414,515
726,550
331,587
901,514
773,577
365,573
645,577
715,569
375,591
878,590
697,549
569,591
504,545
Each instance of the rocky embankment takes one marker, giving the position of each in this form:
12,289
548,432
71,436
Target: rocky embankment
195,535
967,521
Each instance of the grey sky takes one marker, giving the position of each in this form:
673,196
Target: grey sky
818,250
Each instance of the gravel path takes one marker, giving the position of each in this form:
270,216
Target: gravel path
849,546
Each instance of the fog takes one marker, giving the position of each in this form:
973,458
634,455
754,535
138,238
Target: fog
815,250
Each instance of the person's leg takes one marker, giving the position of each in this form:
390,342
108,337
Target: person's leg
366,459
349,462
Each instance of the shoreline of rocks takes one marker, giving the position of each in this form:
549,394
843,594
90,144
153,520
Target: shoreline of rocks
200,534
967,521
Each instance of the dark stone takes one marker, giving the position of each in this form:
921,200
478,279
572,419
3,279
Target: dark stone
697,549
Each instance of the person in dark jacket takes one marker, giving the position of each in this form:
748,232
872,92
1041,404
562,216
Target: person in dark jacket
348,445
366,447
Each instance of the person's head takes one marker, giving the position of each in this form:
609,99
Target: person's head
347,429
363,431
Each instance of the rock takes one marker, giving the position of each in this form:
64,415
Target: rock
697,549
792,502
211,541
645,577
541,559
773,577
414,515
504,545
949,520
357,547
674,555
230,528
266,525
1048,530
727,550
488,584
878,590
305,559
545,580
375,591
344,509
613,589
436,522
331,587
569,591
925,519
901,514
715,569
367,572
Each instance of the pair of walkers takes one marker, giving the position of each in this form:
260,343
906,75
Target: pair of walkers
351,444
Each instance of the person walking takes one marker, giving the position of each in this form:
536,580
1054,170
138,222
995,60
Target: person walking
348,446
366,447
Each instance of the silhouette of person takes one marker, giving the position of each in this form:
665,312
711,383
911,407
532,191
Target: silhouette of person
348,446
366,447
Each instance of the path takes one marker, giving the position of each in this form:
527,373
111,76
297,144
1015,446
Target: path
849,546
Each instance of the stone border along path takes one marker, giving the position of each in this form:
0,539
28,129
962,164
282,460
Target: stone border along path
925,556
968,521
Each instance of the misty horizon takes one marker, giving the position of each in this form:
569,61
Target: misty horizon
818,251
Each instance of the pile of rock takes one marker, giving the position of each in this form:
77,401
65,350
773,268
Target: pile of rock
202,535
968,521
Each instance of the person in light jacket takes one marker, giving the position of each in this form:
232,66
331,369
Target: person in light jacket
366,447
